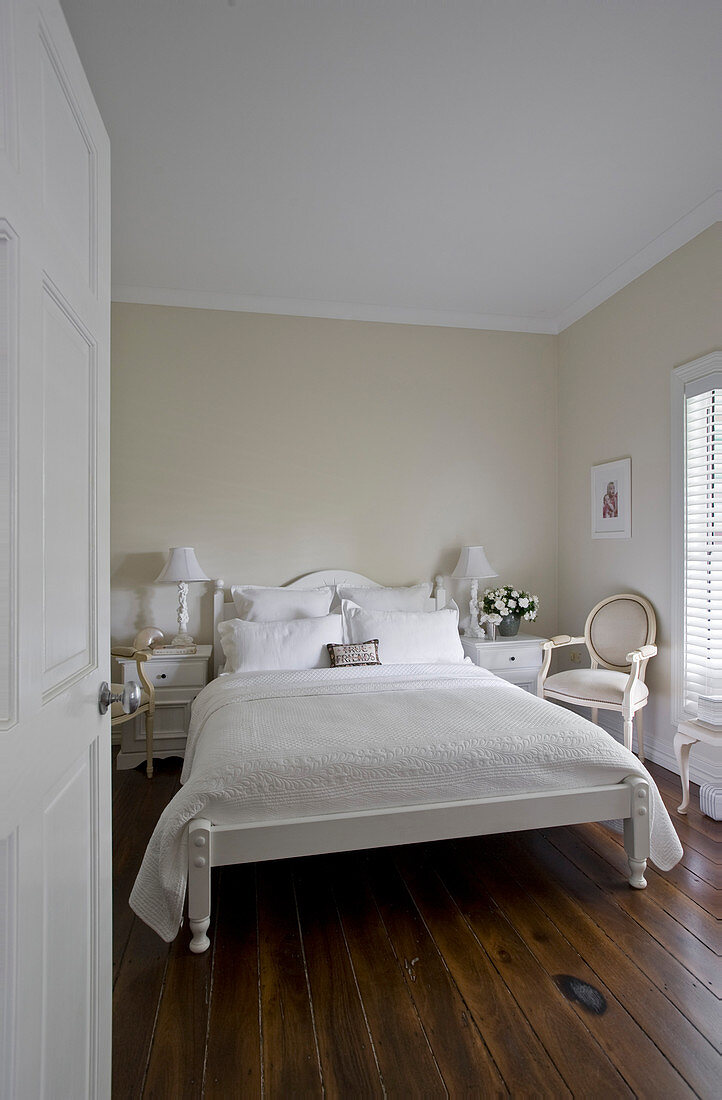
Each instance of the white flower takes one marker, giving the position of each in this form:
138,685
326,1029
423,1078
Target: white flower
512,604
495,619
500,606
523,602
514,593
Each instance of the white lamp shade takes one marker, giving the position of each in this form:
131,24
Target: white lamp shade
473,563
181,565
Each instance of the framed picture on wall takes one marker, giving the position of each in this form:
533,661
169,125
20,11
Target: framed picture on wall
612,500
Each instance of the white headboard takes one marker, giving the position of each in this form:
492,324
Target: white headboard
224,610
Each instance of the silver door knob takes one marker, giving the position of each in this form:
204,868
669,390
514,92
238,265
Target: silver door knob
129,697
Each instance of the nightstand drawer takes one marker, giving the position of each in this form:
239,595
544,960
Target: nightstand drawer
497,656
173,673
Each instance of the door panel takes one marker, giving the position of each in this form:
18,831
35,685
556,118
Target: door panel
68,168
69,409
8,471
54,606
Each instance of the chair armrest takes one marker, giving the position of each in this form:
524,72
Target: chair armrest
642,654
547,649
128,651
561,640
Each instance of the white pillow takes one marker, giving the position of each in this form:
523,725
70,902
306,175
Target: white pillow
258,604
299,643
406,637
413,598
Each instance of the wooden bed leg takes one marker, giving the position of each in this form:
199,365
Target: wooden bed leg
199,883
636,831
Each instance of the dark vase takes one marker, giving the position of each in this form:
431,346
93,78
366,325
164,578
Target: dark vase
509,626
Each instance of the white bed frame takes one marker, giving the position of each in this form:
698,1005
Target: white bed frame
220,845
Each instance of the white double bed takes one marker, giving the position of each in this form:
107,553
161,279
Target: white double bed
289,763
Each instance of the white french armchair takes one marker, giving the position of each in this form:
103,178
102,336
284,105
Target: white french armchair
619,635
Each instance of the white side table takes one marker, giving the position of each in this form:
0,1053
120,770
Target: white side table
688,734
517,660
177,679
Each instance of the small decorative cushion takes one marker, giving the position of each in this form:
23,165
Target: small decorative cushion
407,637
257,604
356,653
376,598
299,643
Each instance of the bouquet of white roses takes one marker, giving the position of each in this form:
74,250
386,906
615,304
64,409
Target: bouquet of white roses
497,603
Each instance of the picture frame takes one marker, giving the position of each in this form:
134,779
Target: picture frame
611,500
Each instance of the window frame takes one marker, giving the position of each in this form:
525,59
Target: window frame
694,371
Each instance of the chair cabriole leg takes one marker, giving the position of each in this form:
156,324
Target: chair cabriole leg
682,745
199,883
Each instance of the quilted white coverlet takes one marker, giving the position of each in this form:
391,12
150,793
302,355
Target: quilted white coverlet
282,745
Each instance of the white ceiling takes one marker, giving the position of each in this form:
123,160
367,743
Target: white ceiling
491,163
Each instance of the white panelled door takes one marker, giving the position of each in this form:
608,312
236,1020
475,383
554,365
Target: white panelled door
54,745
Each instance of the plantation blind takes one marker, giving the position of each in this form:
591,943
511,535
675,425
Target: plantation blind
703,540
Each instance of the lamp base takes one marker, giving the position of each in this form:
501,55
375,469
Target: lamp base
183,639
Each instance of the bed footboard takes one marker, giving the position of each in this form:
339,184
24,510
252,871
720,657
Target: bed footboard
221,845
199,883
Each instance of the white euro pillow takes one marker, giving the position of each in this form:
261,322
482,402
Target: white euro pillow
260,604
298,643
413,598
406,637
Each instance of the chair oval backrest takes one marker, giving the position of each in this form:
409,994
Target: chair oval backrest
618,625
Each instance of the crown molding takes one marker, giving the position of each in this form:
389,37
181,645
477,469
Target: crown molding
340,311
680,233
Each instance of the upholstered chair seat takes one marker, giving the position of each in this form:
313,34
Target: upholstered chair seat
592,686
619,635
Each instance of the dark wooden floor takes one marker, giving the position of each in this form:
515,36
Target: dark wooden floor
518,964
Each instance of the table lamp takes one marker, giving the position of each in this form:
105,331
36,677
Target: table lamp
473,565
181,568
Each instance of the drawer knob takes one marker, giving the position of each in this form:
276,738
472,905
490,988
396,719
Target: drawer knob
512,658
161,676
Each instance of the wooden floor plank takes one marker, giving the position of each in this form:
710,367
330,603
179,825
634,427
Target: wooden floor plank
670,890
177,1056
233,1056
639,1060
290,1057
677,962
137,804
623,955
345,1047
407,1065
136,997
462,1055
514,1045
577,1055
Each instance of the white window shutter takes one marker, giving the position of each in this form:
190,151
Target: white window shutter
703,540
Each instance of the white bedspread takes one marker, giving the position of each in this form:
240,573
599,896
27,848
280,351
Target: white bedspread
282,745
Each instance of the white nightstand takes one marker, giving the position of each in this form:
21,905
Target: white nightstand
177,680
517,660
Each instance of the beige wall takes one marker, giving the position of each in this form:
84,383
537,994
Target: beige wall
279,445
614,401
